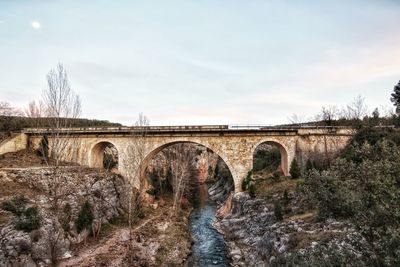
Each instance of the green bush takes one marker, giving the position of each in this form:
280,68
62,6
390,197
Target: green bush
309,166
267,159
364,188
16,205
278,212
370,135
66,216
244,185
246,181
85,217
109,162
285,198
43,149
28,218
252,190
295,169
29,221
276,176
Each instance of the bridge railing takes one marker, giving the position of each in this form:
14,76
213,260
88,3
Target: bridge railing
249,126
283,127
181,128
129,129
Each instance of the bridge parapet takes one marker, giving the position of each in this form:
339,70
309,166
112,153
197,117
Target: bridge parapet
301,130
125,129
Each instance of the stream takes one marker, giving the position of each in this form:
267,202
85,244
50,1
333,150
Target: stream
208,248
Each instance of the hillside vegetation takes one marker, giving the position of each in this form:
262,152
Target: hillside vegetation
347,214
17,123
363,186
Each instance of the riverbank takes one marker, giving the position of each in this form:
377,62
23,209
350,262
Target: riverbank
260,232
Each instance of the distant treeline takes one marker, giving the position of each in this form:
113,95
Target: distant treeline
17,123
367,121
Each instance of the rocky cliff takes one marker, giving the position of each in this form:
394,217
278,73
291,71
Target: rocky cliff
256,237
57,195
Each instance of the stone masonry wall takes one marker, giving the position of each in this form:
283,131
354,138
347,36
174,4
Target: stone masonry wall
14,143
236,150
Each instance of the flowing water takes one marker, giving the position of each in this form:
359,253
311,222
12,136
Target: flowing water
209,247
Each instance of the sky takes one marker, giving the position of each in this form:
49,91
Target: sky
202,61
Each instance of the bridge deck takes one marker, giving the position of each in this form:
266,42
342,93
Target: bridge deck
191,129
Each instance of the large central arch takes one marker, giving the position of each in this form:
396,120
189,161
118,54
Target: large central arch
156,150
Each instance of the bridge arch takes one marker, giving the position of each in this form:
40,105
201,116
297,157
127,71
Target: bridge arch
283,152
150,155
97,152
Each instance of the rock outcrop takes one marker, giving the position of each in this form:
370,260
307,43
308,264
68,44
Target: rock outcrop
58,194
256,238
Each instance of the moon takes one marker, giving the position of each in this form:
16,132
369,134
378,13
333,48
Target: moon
36,25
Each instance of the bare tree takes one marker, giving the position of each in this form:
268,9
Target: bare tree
133,166
387,111
62,106
7,110
59,106
357,109
297,119
136,152
35,110
181,159
328,114
54,239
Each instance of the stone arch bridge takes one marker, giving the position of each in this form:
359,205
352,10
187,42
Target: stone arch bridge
235,145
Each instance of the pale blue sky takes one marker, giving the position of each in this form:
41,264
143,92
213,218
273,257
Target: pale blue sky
202,61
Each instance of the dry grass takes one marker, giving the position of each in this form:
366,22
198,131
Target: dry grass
23,159
4,218
267,188
299,240
20,159
9,188
294,206
306,217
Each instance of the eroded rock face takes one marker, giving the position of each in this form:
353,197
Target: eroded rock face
57,232
104,190
15,247
220,190
255,238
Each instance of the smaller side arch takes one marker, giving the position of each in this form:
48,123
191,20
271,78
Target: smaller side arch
283,151
96,153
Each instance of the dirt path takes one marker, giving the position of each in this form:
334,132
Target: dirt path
146,222
115,246
34,168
